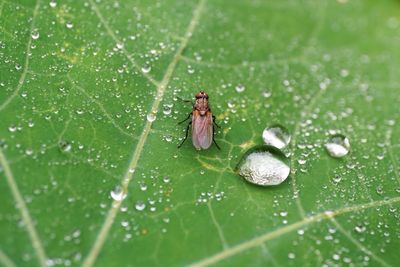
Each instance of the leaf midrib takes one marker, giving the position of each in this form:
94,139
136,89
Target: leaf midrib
161,87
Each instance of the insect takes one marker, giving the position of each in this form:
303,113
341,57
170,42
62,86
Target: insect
203,122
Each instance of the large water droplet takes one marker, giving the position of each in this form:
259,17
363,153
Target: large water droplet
118,194
264,165
277,136
338,146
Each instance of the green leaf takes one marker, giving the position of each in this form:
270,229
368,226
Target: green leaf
88,106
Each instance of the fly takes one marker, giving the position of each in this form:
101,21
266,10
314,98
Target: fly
203,122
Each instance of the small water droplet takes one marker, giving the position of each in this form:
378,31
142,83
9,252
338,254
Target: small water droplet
18,66
146,69
118,194
53,3
12,128
151,117
65,146
35,34
120,45
266,94
167,110
277,136
166,179
336,179
190,69
360,228
69,25
338,146
240,88
264,165
140,205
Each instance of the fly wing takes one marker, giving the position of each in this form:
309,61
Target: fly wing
202,131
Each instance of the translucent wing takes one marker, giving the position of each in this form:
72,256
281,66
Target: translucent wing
202,131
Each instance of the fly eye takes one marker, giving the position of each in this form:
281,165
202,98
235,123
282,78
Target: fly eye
207,97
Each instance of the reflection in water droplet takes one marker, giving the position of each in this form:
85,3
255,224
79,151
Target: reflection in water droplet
338,146
277,136
264,165
118,194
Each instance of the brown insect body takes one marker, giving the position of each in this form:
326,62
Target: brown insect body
202,123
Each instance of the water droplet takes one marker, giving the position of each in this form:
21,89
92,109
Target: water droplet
151,117
360,228
18,66
140,205
190,69
240,88
12,128
336,179
53,3
277,136
69,25
146,69
338,146
118,194
266,94
167,110
120,45
264,165
291,256
35,34
166,179
65,146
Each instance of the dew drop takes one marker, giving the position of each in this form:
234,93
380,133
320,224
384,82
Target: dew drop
65,146
146,69
69,25
120,45
18,66
118,194
151,117
338,146
360,228
240,88
190,69
140,205
35,34
266,94
277,136
264,165
53,3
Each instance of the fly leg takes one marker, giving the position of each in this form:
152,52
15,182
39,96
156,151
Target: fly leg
186,101
187,132
188,117
215,122
214,139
